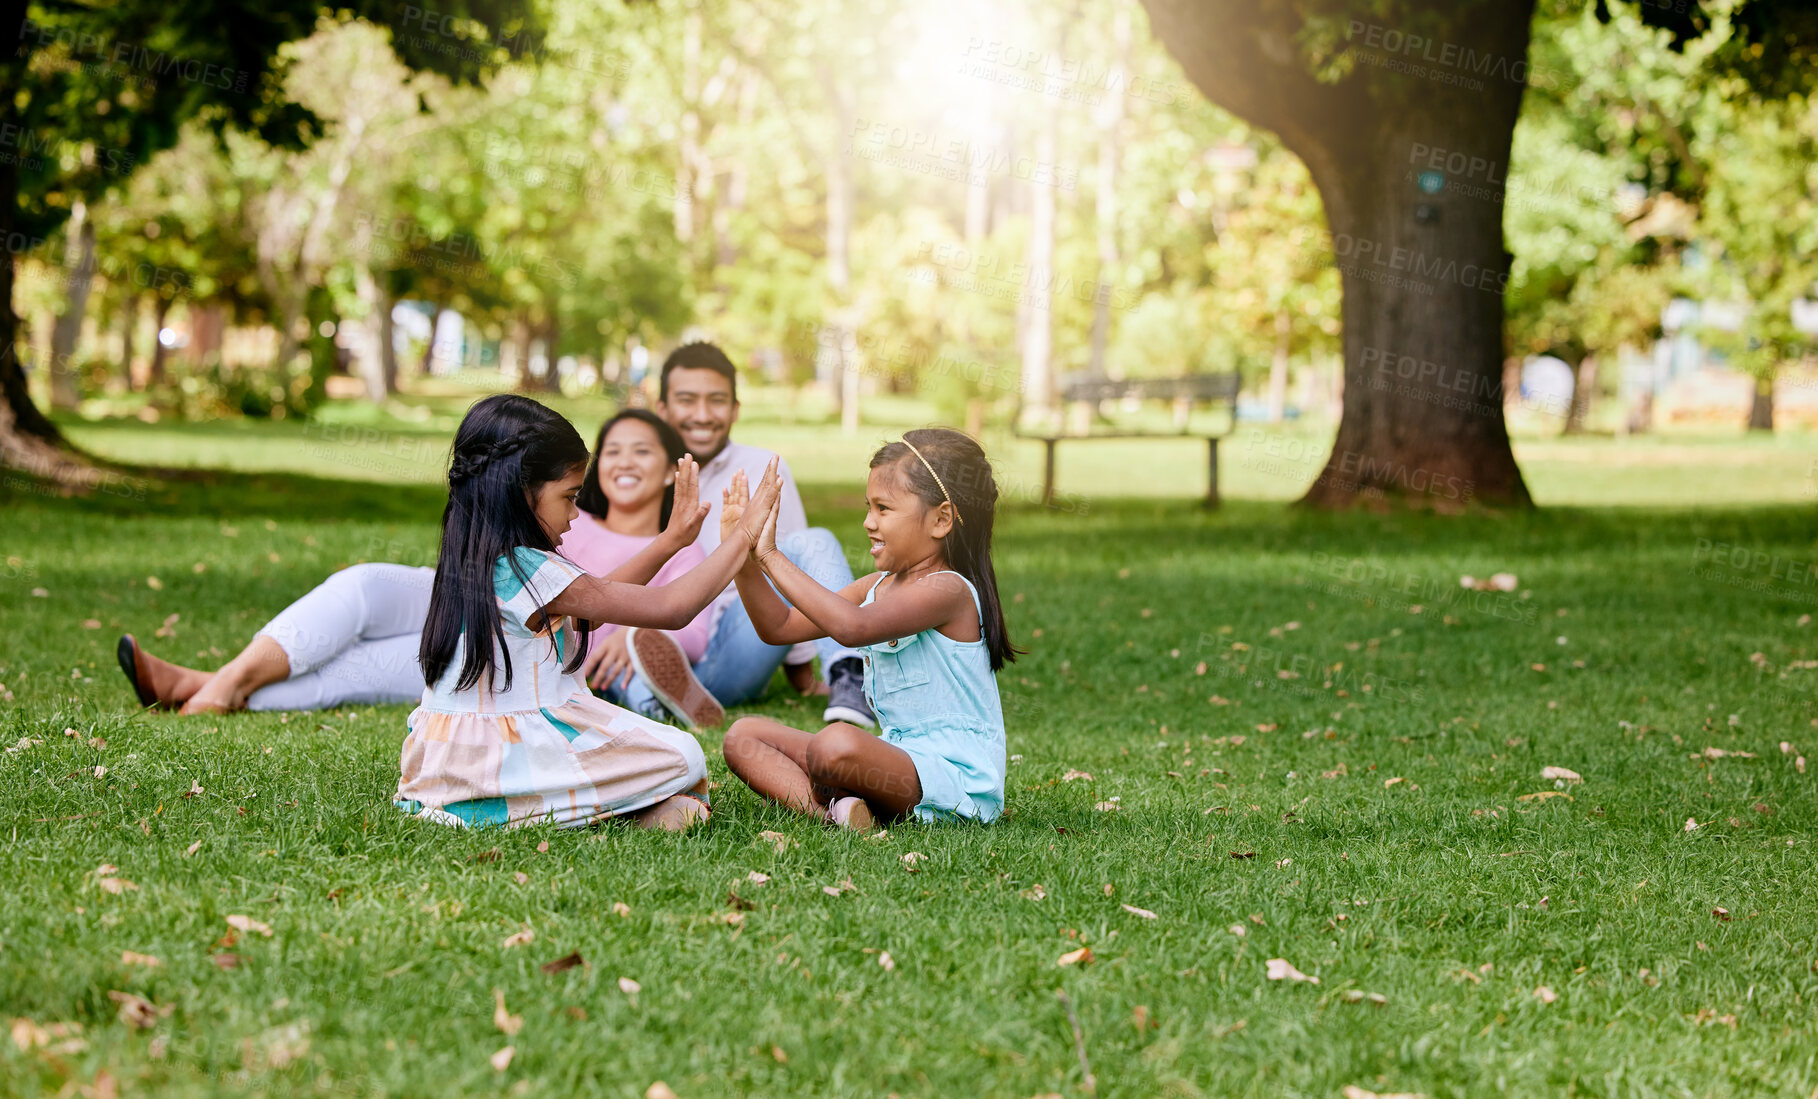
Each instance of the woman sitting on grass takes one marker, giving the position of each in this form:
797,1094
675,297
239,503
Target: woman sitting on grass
933,634
508,732
353,639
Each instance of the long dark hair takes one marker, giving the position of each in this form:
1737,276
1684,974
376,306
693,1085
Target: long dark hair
592,500
966,473
507,448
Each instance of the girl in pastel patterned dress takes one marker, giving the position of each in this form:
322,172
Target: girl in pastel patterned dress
933,635
508,732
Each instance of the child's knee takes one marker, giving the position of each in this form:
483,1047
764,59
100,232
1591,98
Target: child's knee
834,749
688,756
740,739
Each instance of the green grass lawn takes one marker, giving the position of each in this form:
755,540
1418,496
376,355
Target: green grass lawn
1349,781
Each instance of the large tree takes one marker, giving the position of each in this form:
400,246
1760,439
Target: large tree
93,90
1404,111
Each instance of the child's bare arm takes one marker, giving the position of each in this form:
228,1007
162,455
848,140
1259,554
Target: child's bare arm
675,604
920,605
776,622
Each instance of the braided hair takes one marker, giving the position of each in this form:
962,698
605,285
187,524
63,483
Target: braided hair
507,448
941,465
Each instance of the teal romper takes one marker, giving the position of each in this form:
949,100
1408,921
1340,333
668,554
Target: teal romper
936,699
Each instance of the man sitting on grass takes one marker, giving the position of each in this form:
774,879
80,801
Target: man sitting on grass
699,397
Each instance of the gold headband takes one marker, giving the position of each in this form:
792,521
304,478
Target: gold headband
937,480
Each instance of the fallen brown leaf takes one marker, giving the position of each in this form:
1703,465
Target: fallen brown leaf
502,1059
629,987
518,938
1545,995
1082,956
565,962
128,957
137,1011
781,842
1280,970
503,1019
884,959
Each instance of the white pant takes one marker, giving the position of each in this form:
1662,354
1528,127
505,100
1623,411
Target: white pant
351,641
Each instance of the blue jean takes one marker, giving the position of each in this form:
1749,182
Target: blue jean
738,664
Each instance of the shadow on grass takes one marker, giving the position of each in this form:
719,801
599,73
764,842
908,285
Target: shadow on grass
143,492
1110,529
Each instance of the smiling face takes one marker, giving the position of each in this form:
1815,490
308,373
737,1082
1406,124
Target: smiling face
903,530
553,502
700,406
633,466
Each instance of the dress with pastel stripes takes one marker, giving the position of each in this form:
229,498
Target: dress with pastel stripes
544,748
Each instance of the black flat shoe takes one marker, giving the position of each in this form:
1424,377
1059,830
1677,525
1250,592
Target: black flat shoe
127,653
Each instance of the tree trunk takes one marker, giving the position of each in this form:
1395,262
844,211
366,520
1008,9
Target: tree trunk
1110,120
388,339
369,352
129,320
1278,366
28,440
1761,410
688,140
426,362
1584,388
1423,275
79,266
1038,288
550,332
841,323
514,352
154,374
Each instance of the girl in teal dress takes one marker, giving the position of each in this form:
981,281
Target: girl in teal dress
932,632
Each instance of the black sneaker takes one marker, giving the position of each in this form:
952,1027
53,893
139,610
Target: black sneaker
846,694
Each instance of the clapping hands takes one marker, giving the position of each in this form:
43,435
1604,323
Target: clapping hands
688,512
752,516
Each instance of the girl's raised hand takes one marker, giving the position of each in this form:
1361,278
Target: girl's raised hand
763,503
766,539
732,505
686,517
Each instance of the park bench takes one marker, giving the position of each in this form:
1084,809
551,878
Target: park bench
1182,393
